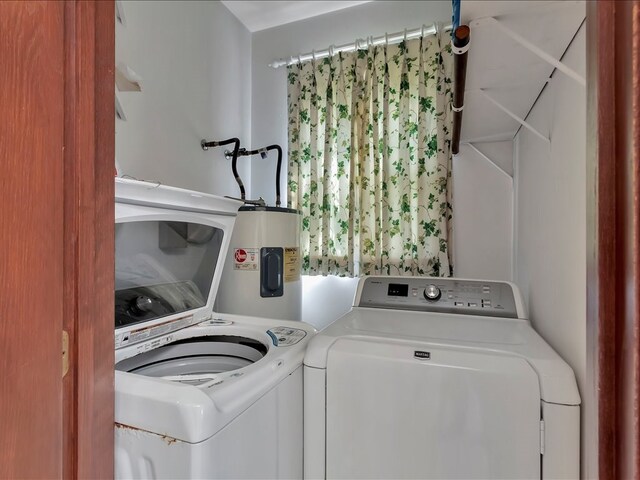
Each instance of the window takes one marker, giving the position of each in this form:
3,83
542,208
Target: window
370,159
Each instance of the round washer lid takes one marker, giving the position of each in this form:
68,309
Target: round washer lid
196,360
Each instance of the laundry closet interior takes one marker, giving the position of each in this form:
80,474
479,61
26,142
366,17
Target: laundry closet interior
204,103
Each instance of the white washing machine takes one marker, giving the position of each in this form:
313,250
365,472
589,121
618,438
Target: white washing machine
438,378
197,394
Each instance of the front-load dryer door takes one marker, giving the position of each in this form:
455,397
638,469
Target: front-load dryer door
399,411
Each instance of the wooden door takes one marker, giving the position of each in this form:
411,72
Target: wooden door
56,238
613,240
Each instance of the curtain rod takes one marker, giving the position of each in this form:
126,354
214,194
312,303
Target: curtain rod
389,39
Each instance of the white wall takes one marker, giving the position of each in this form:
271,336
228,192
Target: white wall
194,60
324,299
551,214
483,212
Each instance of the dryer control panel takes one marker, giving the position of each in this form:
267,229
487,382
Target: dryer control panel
441,295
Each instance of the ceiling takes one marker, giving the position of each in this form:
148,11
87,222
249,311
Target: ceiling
260,15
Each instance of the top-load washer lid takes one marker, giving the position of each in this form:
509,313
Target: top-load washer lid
196,360
169,243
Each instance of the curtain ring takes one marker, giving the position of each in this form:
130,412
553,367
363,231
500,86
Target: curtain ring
331,51
300,59
422,31
386,39
436,27
405,35
313,55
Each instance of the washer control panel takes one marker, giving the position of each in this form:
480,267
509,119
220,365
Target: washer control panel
285,336
442,295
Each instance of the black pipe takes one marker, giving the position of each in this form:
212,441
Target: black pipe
460,40
205,146
263,153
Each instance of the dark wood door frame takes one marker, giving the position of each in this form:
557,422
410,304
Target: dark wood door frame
31,243
56,238
613,239
89,139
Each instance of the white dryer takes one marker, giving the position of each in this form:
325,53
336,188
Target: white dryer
197,394
438,378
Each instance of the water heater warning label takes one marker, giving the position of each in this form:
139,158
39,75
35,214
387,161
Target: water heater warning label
245,259
291,264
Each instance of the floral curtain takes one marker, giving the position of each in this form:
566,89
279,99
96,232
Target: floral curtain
370,159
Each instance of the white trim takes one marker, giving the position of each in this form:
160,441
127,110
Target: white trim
498,137
531,47
525,83
494,164
521,121
515,205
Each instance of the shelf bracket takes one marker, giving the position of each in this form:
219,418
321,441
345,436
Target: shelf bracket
531,47
120,13
119,110
521,121
488,159
127,80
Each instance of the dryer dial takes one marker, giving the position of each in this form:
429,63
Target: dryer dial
432,293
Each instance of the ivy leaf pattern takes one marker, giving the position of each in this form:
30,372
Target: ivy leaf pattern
370,159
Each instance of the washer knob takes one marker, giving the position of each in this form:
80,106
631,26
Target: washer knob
432,292
143,304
